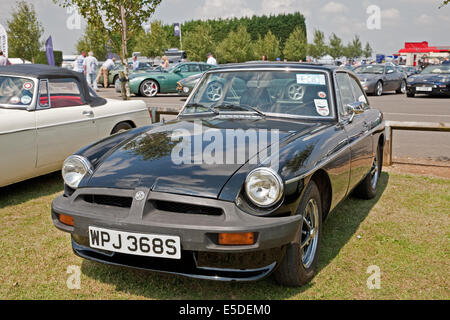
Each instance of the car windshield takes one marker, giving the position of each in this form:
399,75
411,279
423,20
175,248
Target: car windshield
16,92
280,93
440,69
370,69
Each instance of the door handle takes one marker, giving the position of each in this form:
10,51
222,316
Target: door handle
88,113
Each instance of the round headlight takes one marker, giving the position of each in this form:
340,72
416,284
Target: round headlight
264,187
74,169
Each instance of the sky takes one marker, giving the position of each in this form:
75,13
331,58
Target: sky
399,21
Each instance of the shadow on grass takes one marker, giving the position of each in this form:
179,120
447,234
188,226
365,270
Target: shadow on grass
339,228
31,189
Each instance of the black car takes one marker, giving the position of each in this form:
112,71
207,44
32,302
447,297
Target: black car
377,78
433,80
238,186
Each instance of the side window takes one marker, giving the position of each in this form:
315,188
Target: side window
194,68
357,90
390,70
345,91
206,67
43,94
65,93
183,68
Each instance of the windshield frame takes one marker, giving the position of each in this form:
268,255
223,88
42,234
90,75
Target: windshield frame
328,75
436,66
32,104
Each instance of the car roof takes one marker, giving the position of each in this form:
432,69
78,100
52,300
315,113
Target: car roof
39,71
276,65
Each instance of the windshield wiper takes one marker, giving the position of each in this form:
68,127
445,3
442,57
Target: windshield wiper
241,107
197,105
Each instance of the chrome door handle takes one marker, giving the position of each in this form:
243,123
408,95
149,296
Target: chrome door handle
88,113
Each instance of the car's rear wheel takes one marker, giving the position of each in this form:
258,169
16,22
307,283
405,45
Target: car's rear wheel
299,264
121,127
379,88
367,189
402,88
149,88
410,95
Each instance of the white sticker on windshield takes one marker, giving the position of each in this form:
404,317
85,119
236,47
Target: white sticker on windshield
26,100
304,78
322,107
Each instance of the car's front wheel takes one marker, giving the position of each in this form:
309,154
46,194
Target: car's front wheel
149,88
379,88
402,88
367,189
299,264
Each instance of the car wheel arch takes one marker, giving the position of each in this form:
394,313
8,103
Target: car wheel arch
129,122
323,182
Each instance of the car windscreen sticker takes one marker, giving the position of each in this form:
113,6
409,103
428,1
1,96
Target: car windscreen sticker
14,100
25,100
28,85
322,107
322,95
317,79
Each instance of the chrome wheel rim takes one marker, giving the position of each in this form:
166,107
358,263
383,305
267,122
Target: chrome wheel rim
150,88
310,233
296,92
214,91
374,173
379,89
403,87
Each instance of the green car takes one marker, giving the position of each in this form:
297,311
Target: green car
114,73
149,84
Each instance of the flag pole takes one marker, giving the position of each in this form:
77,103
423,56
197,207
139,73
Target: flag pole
181,39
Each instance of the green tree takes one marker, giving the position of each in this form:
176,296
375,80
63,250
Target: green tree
198,42
24,32
296,47
367,52
268,46
354,48
116,17
236,47
93,40
154,43
318,48
336,48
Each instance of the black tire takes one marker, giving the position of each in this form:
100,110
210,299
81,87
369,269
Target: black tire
292,270
115,79
146,91
121,127
410,95
367,189
377,91
402,89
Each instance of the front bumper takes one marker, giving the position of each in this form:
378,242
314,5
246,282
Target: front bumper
369,87
436,89
202,256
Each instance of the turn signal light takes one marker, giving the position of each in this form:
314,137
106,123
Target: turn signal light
237,239
67,220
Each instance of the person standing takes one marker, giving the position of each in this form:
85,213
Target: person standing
165,63
135,63
104,71
264,58
90,70
78,65
3,59
211,59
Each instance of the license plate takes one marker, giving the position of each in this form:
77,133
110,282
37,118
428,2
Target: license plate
427,89
147,245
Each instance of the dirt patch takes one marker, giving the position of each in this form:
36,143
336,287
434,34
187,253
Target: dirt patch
432,168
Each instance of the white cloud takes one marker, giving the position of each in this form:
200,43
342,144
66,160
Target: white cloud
391,14
224,9
334,8
278,6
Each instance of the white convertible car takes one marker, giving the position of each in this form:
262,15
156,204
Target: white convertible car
48,113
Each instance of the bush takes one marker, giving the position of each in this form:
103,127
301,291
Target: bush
42,58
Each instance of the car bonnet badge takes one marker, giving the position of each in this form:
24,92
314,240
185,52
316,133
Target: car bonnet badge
139,196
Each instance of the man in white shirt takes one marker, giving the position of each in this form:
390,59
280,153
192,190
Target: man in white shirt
79,61
135,63
3,59
90,70
104,71
211,59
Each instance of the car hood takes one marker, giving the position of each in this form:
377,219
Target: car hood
151,160
430,78
368,76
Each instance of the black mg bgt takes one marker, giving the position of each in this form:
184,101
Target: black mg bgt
238,186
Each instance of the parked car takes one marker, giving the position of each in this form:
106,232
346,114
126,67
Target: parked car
410,70
118,67
145,199
433,80
68,61
47,113
149,84
186,85
174,55
377,78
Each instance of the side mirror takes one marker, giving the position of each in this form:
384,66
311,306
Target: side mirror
390,71
355,108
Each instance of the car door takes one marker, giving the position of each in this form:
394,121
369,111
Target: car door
357,128
64,121
391,79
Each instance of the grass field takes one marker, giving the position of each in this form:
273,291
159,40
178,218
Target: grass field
405,231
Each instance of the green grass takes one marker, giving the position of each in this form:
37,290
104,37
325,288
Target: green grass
405,231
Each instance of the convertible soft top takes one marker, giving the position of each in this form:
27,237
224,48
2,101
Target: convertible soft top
42,71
